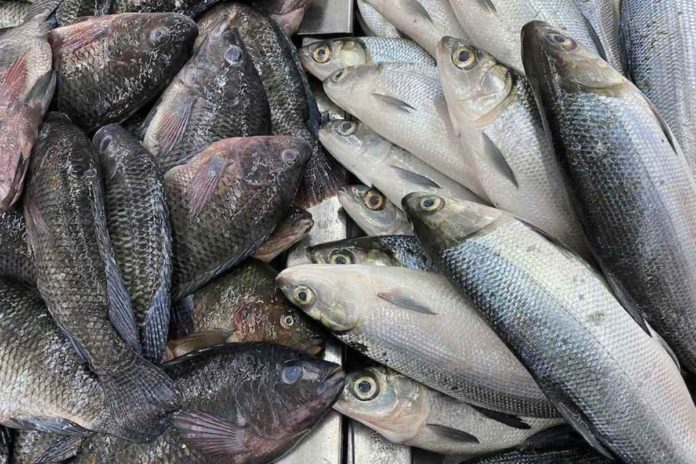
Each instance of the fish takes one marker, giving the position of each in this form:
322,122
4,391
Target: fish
64,12
5,445
547,304
16,261
498,123
257,400
216,95
404,319
288,14
243,305
657,41
13,13
373,212
404,104
78,277
632,188
378,163
373,23
579,455
30,446
325,57
425,21
386,250
137,218
109,67
506,19
329,110
409,413
226,201
290,231
603,16
27,84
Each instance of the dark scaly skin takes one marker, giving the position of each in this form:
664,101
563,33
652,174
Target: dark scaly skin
554,456
237,382
138,222
109,67
5,446
633,192
291,230
254,191
15,258
30,445
12,13
217,95
247,306
78,276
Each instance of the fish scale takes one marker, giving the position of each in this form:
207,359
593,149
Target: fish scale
604,17
15,260
13,13
580,455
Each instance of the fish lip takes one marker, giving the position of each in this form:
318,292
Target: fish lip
333,384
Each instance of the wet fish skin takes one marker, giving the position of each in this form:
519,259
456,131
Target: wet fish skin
633,191
604,18
657,38
236,389
226,201
409,413
5,446
31,445
386,250
216,95
498,123
137,218
548,305
78,277
327,56
373,212
552,456
373,23
12,13
402,318
109,67
16,261
27,85
425,21
245,305
290,231
288,14
378,163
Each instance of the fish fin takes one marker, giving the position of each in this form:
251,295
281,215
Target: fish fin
671,139
175,122
414,177
14,79
41,94
419,10
154,331
507,419
61,449
498,161
627,301
34,219
624,41
596,40
394,102
560,436
195,342
449,433
582,425
182,317
83,36
139,396
210,434
205,181
50,425
399,298
489,6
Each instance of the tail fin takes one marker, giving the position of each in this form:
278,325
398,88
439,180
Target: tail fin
140,397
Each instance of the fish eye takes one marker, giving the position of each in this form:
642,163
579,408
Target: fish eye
322,54
347,128
287,320
233,54
159,35
291,374
303,296
290,156
341,257
374,200
464,58
366,388
338,75
562,41
431,204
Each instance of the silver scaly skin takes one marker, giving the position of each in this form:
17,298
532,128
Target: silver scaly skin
373,23
373,212
604,18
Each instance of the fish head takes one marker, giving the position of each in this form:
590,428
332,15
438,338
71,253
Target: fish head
369,206
552,56
328,56
266,160
441,222
385,400
112,142
354,145
365,250
156,37
221,56
343,85
474,82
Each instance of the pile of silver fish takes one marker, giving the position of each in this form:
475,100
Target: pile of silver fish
519,286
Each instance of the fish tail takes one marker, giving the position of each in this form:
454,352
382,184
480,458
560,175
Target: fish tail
153,333
140,396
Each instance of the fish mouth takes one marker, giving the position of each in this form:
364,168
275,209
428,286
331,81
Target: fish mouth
333,384
315,345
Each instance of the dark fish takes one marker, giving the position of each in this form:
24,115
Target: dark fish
137,218
243,306
64,12
79,279
288,14
217,95
226,201
241,403
385,250
291,230
632,189
552,456
12,13
5,446
31,445
109,67
15,260
26,88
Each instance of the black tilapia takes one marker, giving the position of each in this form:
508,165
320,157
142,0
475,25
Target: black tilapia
137,218
385,250
291,230
243,305
226,201
64,12
242,403
29,446
632,189
552,456
218,94
109,67
79,279
16,261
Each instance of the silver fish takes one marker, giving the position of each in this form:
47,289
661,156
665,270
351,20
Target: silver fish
373,23
604,18
373,212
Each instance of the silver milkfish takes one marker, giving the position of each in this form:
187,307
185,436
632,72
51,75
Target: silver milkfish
373,212
604,18
373,23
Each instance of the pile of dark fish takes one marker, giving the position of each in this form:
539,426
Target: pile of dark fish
525,291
